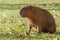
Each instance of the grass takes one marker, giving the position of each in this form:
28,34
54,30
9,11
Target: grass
27,1
12,25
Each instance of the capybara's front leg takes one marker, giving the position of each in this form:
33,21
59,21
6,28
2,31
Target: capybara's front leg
29,29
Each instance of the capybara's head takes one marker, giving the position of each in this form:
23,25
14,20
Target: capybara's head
24,11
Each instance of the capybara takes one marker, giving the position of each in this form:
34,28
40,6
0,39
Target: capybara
38,18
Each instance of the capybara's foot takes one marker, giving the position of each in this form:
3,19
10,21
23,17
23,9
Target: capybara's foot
27,33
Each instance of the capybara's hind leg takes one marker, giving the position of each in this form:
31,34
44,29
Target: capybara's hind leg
52,30
39,30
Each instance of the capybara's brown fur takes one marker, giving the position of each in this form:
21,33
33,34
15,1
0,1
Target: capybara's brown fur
39,18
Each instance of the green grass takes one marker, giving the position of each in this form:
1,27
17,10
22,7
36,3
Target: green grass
18,6
27,1
12,25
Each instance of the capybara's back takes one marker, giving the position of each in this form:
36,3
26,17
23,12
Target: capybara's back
40,18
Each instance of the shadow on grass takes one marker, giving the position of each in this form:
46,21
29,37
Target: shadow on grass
43,36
